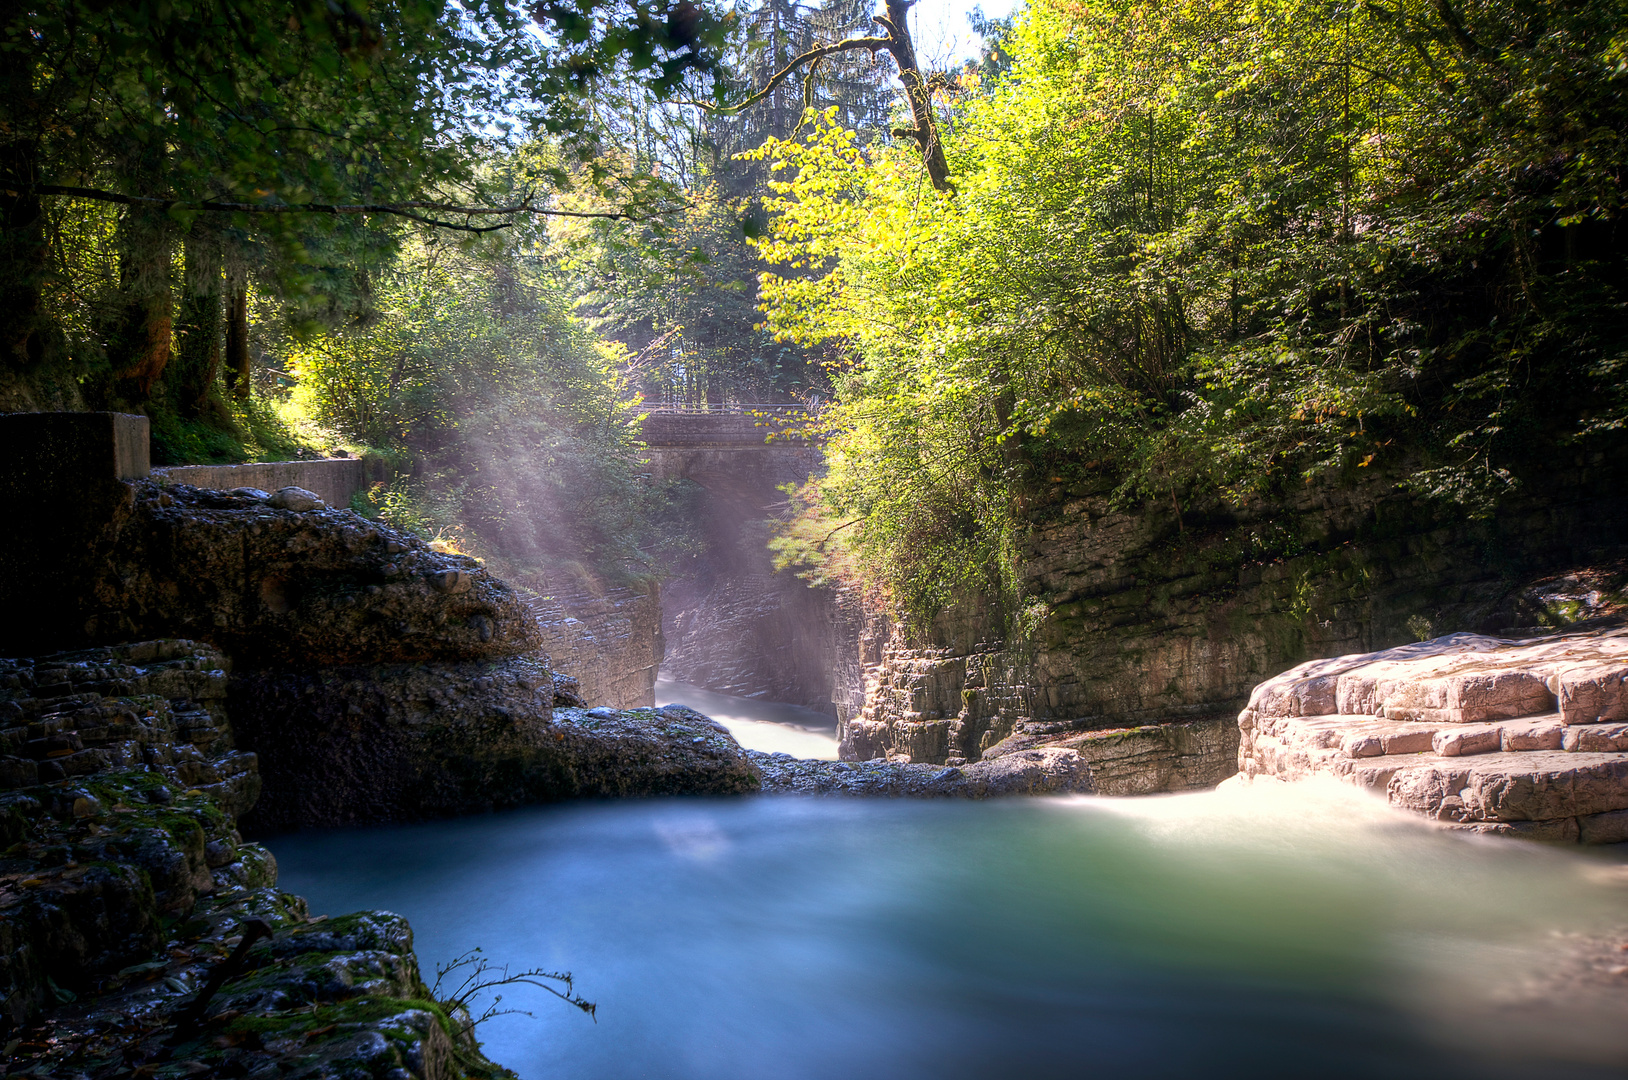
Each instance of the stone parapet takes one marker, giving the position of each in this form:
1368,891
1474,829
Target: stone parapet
43,450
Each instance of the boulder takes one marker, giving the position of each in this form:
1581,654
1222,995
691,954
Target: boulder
1511,737
1041,771
279,581
390,742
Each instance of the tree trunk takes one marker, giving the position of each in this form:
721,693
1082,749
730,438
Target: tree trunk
237,339
139,339
24,331
192,375
915,91
22,264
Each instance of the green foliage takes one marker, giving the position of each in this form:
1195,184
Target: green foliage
682,297
245,430
1206,250
296,144
521,435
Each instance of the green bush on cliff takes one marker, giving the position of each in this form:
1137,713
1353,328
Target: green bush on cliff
1202,251
513,432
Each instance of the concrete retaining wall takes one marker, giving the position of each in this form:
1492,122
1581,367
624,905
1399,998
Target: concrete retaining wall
334,480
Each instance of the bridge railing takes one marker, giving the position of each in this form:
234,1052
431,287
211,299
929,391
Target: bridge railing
729,408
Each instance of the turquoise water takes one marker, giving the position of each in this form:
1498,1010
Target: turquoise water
1268,932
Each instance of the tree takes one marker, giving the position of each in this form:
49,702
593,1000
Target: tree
286,130
1199,253
896,42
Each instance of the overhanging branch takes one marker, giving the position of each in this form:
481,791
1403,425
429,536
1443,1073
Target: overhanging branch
868,44
409,210
918,94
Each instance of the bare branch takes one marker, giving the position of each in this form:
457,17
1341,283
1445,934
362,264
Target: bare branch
483,975
400,209
870,44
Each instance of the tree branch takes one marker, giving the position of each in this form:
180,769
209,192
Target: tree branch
870,44
400,209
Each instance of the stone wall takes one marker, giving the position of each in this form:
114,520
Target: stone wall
334,480
610,642
1139,620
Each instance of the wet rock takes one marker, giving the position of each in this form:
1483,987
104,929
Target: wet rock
399,742
1143,760
1045,771
567,692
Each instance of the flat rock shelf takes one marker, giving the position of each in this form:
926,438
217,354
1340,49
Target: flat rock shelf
1524,737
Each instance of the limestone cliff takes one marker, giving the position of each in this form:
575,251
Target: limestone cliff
1136,620
269,581
609,641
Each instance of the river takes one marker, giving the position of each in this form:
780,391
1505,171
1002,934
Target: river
1286,931
772,726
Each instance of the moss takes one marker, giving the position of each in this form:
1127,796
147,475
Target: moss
356,1011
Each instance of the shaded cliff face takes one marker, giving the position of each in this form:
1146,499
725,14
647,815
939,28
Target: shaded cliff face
1137,621
611,643
731,623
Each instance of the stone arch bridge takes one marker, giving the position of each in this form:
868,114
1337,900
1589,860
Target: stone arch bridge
731,622
731,450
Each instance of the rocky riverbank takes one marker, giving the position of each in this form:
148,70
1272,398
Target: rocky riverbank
140,935
1521,737
1134,618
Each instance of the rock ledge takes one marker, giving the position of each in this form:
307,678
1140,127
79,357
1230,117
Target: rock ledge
1525,737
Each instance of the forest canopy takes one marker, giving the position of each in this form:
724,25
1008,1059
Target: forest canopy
1190,252
1203,250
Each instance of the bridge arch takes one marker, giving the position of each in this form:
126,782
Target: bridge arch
730,621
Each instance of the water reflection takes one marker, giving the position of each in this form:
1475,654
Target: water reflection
773,726
1257,933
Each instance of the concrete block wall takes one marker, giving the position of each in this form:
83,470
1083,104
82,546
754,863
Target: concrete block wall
334,480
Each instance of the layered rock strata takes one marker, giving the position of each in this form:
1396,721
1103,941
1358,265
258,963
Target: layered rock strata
610,642
1525,737
1134,618
127,893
